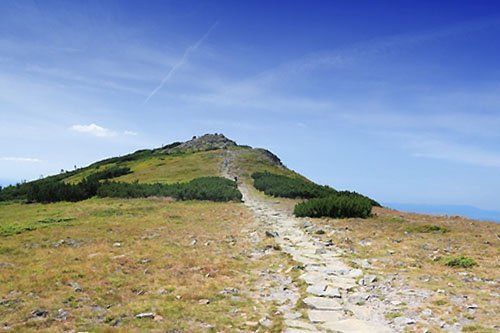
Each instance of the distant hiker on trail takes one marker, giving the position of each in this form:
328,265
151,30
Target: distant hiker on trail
235,179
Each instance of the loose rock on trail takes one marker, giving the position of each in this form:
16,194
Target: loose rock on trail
333,301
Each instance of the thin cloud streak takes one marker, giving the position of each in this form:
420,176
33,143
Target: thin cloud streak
20,159
181,62
448,151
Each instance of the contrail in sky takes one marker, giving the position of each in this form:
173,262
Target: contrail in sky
181,62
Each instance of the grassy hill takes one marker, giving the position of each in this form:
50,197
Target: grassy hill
160,264
98,264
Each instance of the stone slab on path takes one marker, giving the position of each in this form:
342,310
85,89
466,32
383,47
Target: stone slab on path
321,316
356,326
323,290
323,303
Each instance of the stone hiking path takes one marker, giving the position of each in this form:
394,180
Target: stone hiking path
333,301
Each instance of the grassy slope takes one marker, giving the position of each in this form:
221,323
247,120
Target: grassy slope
163,168
155,253
249,161
396,246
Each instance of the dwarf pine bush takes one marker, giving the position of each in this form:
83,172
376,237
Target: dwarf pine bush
336,206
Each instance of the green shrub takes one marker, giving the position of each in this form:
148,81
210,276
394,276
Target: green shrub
53,189
287,187
336,206
109,173
205,188
460,261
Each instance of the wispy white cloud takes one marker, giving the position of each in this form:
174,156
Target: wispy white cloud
101,132
130,133
181,62
94,130
450,151
20,159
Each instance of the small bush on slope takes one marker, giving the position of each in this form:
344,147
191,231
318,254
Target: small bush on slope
287,187
461,261
53,189
205,188
324,200
283,186
336,206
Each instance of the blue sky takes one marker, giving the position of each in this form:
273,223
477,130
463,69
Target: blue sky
399,100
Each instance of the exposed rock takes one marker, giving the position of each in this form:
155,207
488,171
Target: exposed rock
321,250
270,157
356,326
230,291
266,322
363,263
322,303
323,290
40,313
162,291
319,316
272,234
427,313
145,315
355,272
365,242
359,298
76,287
400,321
307,225
62,315
251,323
368,280
292,315
202,143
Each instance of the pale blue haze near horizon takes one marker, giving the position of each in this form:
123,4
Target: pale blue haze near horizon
399,100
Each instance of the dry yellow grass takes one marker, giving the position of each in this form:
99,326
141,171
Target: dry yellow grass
129,257
396,244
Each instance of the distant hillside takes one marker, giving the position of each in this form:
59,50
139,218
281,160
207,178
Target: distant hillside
450,210
177,169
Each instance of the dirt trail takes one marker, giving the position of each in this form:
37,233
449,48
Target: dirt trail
333,300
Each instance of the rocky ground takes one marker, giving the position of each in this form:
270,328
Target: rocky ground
335,293
337,297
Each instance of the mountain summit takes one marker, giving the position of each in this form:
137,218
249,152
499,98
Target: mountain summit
202,143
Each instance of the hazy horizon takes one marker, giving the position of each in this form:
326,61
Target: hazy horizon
399,101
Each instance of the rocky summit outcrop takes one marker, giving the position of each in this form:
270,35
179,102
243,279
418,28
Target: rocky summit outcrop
270,157
202,143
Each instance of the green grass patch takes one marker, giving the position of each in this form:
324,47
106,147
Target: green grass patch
393,315
428,228
15,228
440,302
460,262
